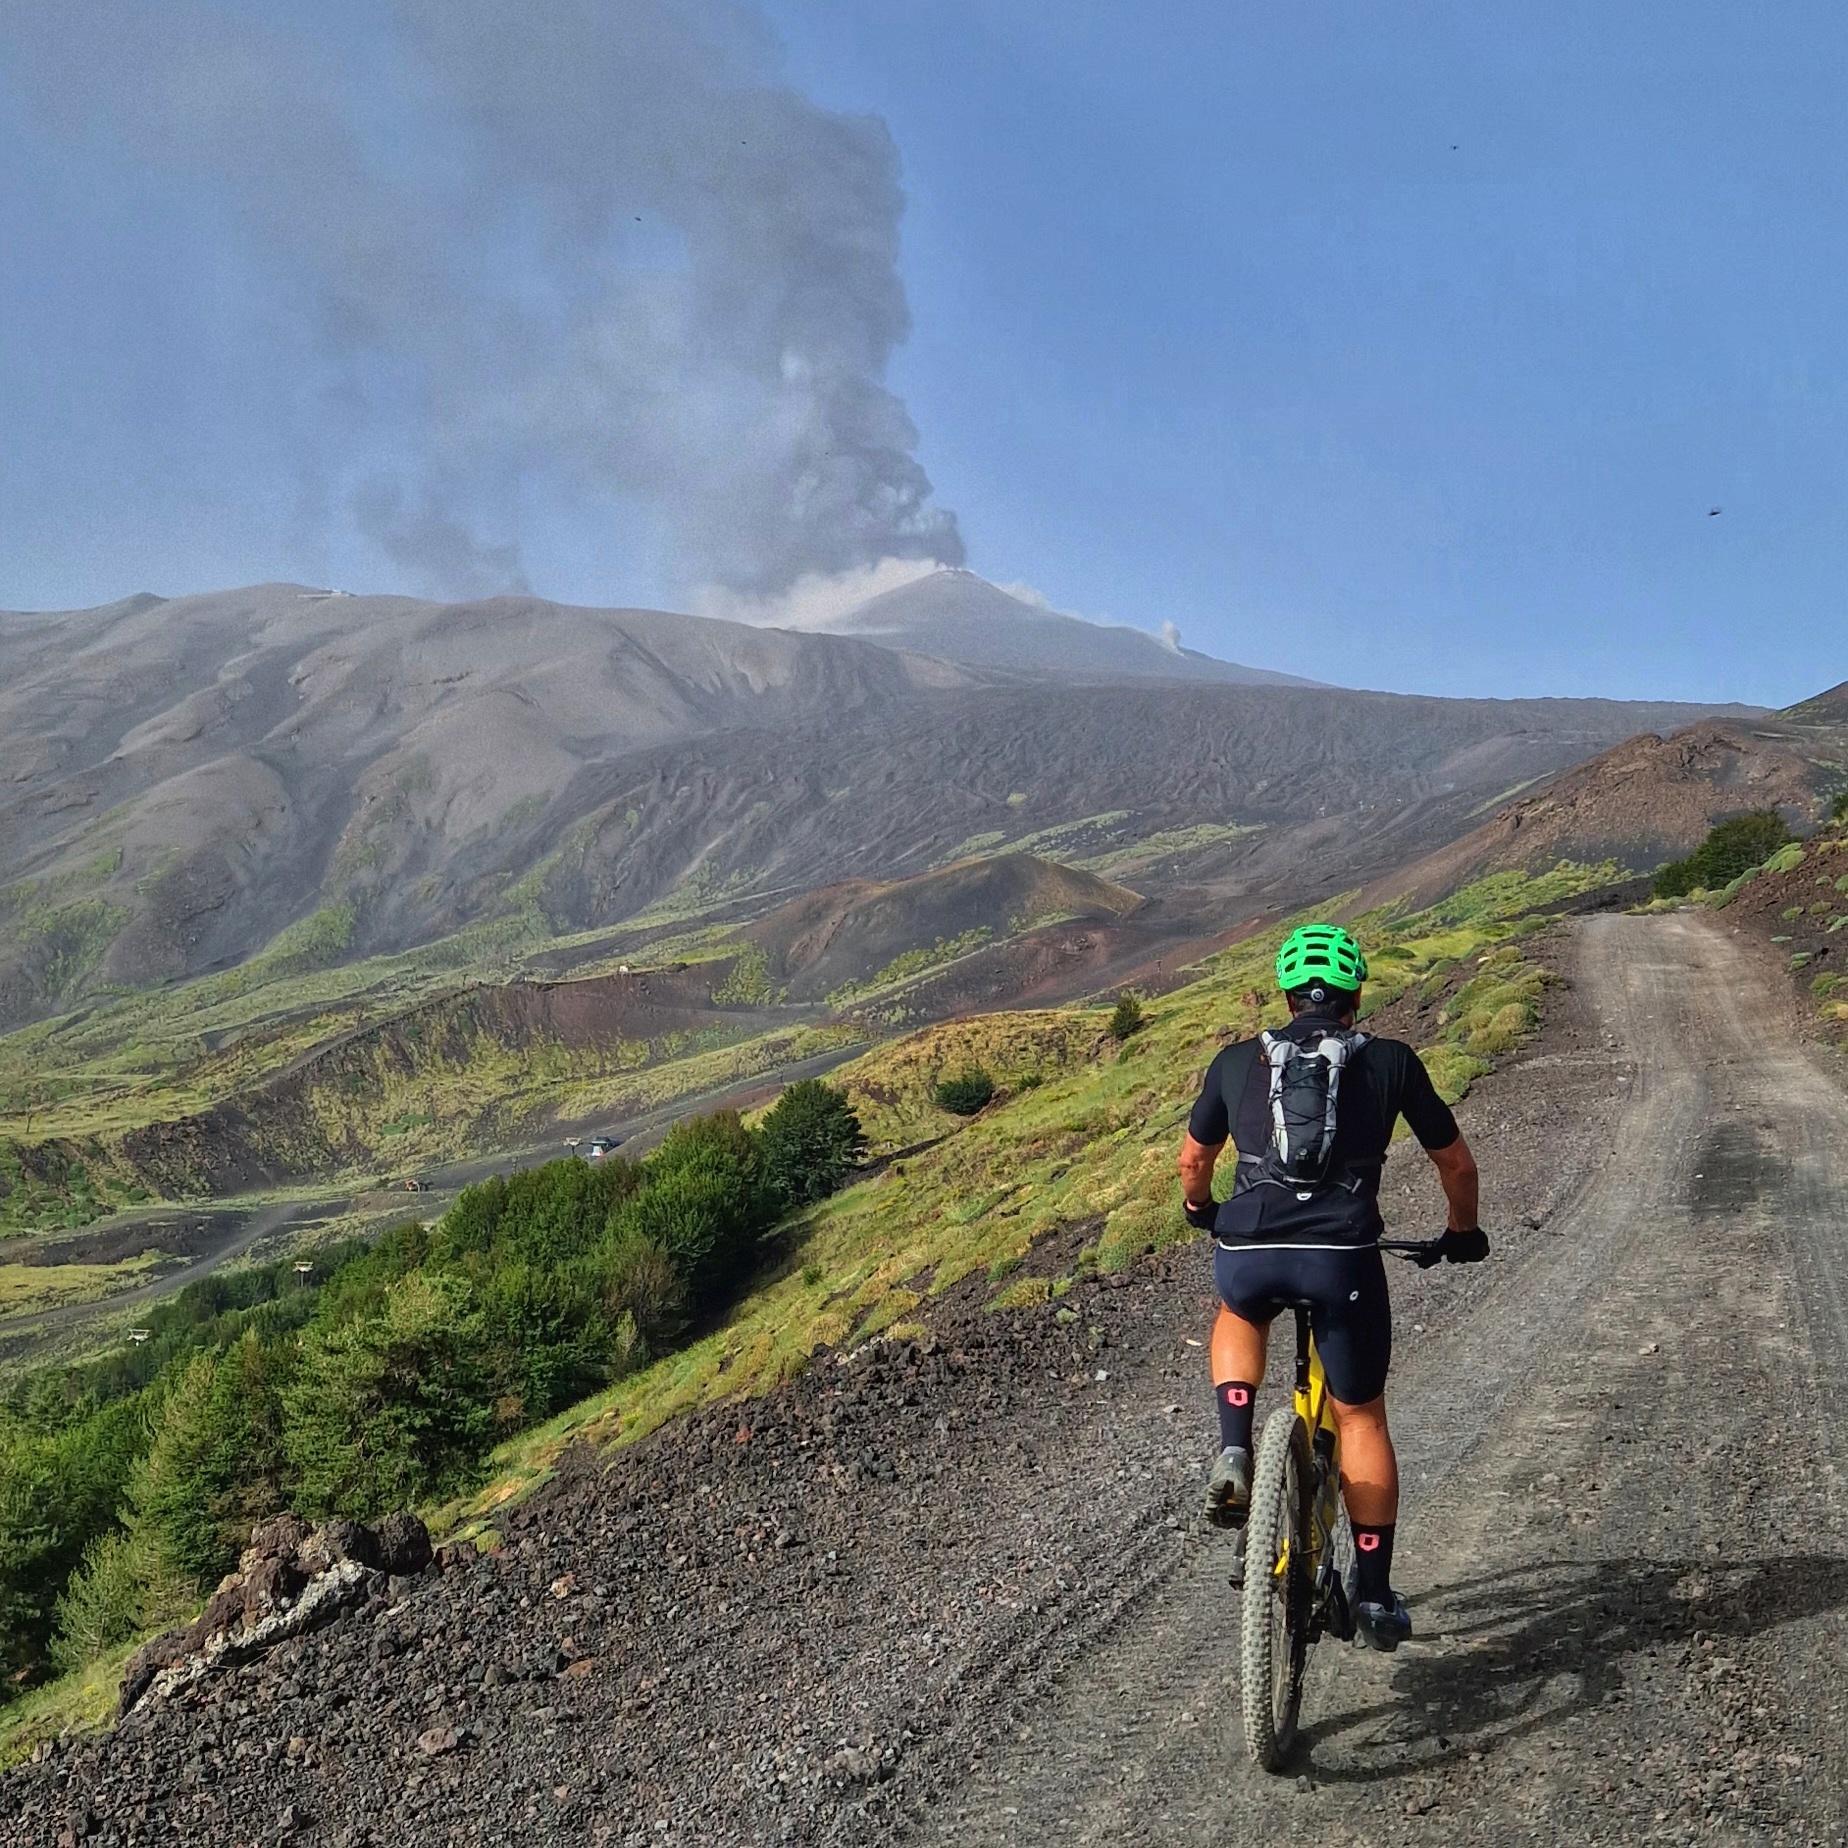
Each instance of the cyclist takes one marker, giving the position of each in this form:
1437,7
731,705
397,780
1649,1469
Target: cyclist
1280,1240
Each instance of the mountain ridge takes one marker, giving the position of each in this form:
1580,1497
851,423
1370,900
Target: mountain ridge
1648,799
343,776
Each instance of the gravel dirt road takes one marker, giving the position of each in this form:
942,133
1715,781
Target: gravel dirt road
952,1590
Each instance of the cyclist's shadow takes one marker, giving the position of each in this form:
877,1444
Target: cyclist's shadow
1514,1652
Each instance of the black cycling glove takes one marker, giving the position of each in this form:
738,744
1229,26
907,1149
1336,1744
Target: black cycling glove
1456,1248
1202,1215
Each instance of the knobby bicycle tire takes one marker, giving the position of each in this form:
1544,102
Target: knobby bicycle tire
1274,1620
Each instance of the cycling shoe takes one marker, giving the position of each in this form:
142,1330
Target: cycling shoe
1228,1488
1382,1626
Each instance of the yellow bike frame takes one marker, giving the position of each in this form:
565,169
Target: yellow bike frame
1315,1416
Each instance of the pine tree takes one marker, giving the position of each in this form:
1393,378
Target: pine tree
808,1143
172,1490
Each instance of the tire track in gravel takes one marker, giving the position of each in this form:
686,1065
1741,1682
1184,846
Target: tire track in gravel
1624,1529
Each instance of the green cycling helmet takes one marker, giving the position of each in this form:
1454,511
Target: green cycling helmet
1320,952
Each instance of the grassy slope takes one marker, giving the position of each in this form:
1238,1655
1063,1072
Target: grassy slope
26,1288
1089,1141
79,1702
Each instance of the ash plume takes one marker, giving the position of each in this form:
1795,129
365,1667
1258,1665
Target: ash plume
592,253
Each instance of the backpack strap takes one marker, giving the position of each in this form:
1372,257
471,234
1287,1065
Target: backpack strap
1278,1054
1337,1049
1241,1061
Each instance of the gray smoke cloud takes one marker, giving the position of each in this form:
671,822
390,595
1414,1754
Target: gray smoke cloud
592,248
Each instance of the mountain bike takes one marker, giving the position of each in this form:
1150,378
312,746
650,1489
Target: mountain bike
1298,1547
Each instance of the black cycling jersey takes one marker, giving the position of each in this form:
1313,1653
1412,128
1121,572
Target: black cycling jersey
1383,1081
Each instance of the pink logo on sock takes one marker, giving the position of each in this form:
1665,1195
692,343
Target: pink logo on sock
1238,1395
1368,1543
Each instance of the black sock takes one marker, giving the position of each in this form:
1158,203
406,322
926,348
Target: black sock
1373,1564
1235,1399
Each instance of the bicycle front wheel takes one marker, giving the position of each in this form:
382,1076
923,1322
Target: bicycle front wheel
1274,1623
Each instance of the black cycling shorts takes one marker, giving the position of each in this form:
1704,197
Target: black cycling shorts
1350,1312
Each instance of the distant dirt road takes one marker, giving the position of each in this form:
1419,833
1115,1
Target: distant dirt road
1625,1534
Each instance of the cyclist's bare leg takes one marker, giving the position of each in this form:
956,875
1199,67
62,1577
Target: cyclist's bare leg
1238,1347
1369,1467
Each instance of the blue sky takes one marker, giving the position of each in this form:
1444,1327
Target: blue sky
1406,347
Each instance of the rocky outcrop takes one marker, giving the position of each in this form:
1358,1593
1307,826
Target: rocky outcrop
290,1579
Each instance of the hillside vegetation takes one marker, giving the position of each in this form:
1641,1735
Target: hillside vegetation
128,1484
850,941
397,1373
203,1100
1080,1138
1650,799
1732,848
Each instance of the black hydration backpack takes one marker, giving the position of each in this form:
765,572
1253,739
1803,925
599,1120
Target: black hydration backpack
1305,1095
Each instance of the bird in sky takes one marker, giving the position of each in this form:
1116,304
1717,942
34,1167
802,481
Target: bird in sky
1713,513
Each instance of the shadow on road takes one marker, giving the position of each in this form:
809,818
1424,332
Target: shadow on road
1514,1653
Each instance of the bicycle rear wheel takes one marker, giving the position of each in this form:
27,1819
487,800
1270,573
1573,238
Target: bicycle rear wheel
1274,1621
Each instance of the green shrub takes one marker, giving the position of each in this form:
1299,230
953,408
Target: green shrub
703,1201
174,1487
697,1219
1730,849
808,1143
1514,1018
60,1489
1023,1293
1838,809
1126,1016
966,1093
548,1327
1487,1042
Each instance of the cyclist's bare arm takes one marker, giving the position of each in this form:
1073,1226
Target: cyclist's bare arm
1456,1173
1197,1161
